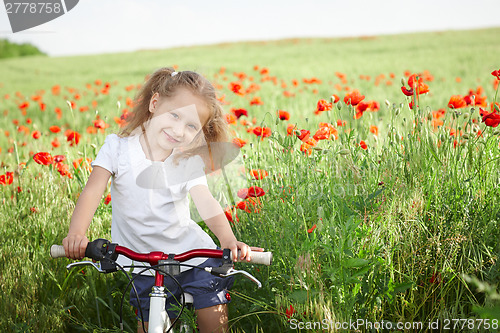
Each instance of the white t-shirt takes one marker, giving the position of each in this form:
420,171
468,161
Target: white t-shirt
150,207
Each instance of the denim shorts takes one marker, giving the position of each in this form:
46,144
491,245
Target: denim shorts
207,289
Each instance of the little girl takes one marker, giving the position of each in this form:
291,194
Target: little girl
150,210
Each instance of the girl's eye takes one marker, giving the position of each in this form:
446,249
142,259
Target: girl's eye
174,115
192,127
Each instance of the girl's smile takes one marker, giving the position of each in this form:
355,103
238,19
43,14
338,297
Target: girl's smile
170,138
175,123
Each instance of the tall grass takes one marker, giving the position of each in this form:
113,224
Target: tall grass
401,228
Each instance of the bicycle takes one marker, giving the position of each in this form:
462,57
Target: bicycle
105,253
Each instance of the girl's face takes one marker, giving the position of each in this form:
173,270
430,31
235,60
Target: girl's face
176,120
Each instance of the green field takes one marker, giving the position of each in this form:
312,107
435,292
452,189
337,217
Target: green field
406,230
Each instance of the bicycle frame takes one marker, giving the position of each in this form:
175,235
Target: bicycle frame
159,321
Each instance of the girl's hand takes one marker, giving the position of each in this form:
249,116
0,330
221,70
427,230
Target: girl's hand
246,251
75,246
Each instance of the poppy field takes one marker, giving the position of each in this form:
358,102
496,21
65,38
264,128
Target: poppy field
369,167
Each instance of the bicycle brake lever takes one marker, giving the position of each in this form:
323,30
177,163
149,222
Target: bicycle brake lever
85,263
233,271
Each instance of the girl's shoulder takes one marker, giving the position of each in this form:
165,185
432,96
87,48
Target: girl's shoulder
115,143
116,140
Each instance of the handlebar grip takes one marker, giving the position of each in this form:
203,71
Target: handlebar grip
263,258
57,251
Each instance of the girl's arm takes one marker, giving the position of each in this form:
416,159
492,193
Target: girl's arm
211,212
75,242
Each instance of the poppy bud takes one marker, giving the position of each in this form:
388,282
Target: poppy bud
466,115
387,103
403,82
429,116
475,129
69,104
344,152
118,105
496,107
465,136
459,128
472,110
496,133
321,213
398,110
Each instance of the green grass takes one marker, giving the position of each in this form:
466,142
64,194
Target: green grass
406,230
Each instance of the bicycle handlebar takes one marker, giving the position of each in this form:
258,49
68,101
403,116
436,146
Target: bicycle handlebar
264,258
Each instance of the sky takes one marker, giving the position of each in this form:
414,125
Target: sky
110,26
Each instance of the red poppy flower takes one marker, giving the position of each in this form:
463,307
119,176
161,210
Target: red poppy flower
36,135
55,143
496,73
55,129
253,205
353,98
59,158
242,193
99,123
239,112
457,102
230,118
323,105
419,84
243,206
310,230
374,129
43,158
283,115
363,145
322,134
290,311
362,106
303,135
107,200
255,192
290,129
63,169
239,142
406,91
7,179
331,129
229,215
236,88
256,101
416,83
491,119
258,173
73,137
262,131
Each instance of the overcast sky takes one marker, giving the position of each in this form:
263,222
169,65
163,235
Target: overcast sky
104,26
